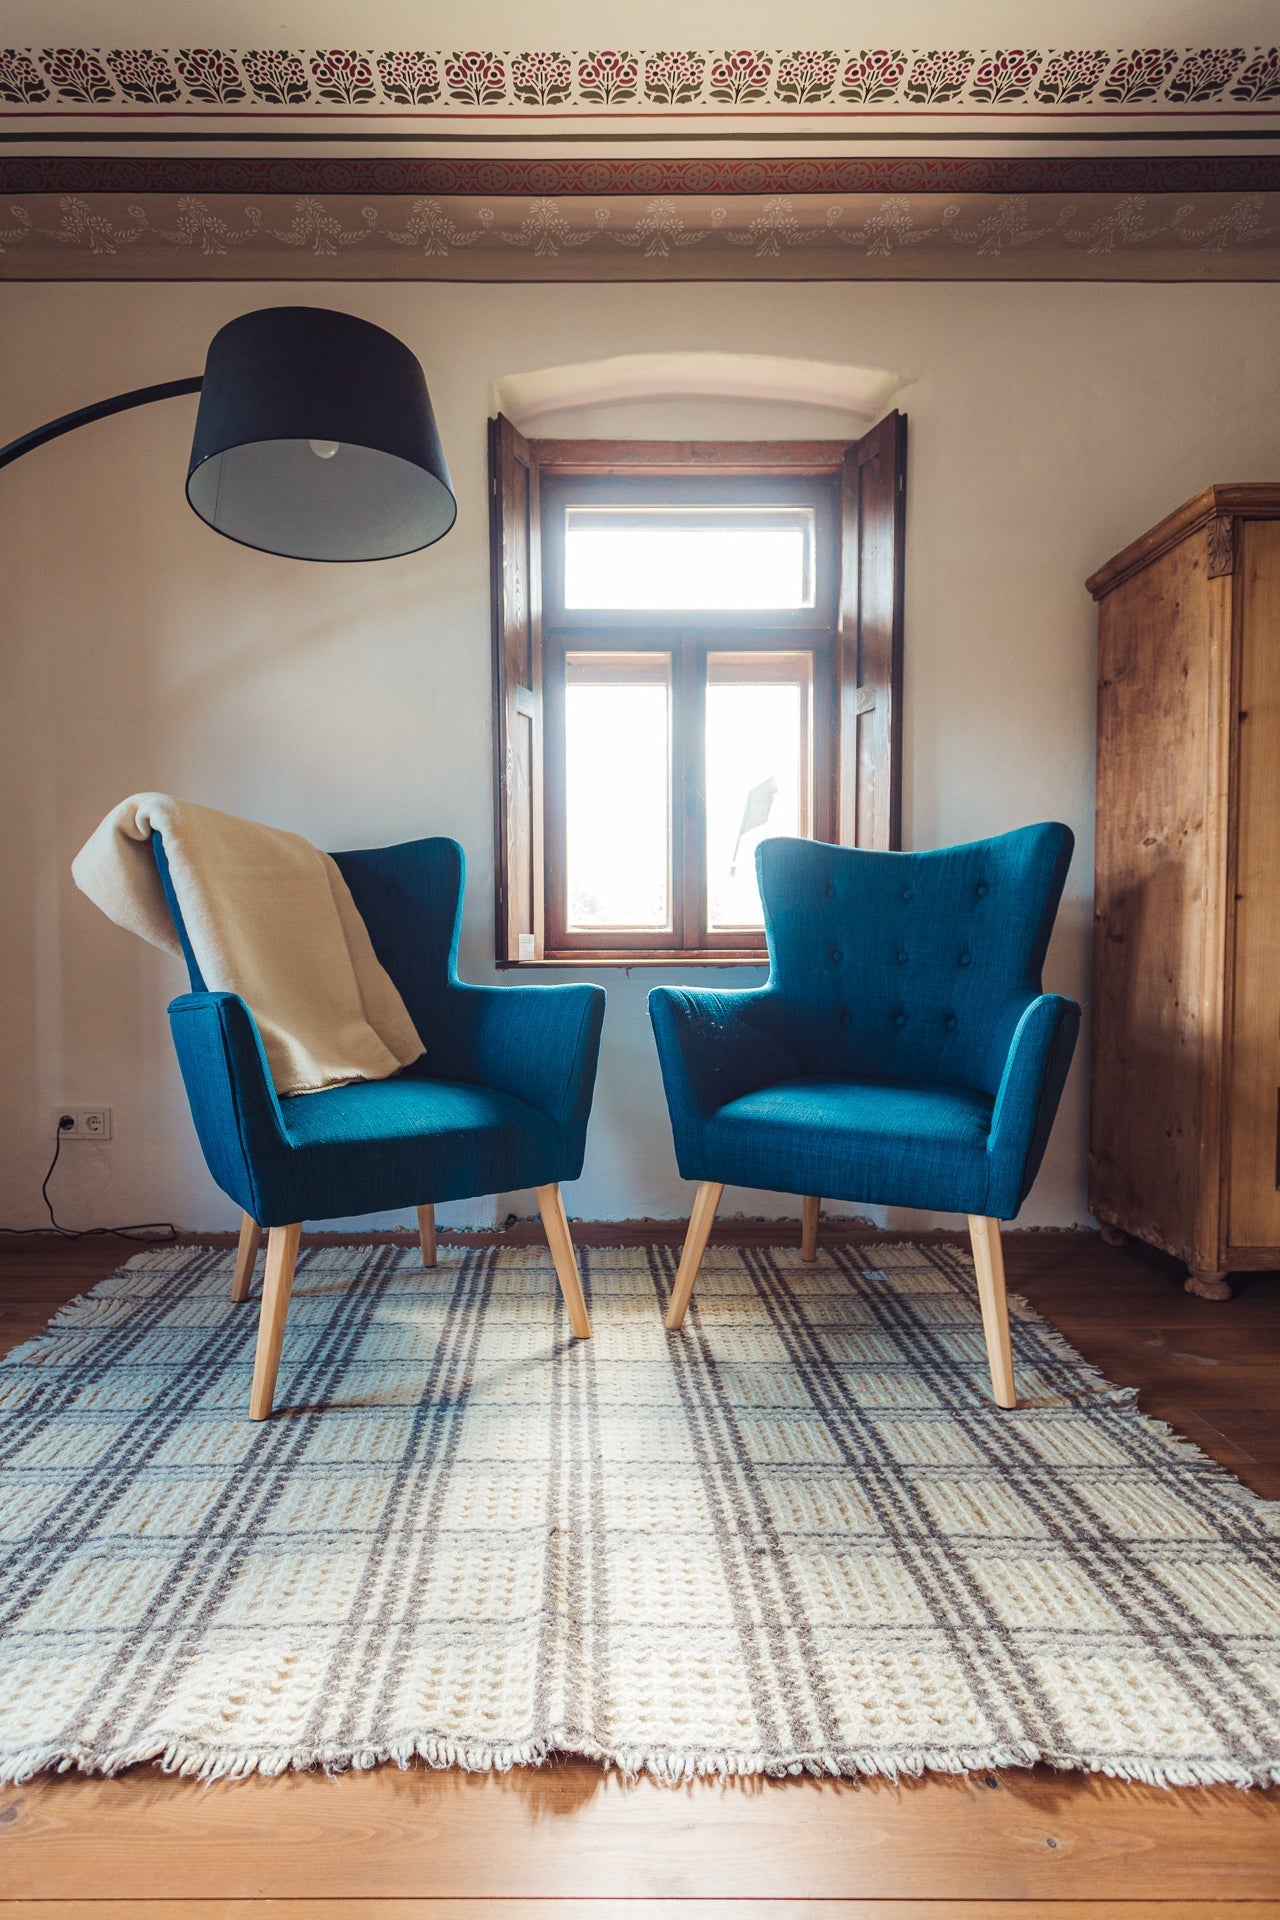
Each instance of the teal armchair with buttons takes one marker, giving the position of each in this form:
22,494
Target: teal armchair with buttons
500,1099
901,1053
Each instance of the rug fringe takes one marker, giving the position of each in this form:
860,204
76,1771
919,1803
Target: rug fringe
1022,1311
1265,1512
664,1767
86,1310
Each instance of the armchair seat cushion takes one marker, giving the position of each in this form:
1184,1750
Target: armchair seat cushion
394,1143
885,1142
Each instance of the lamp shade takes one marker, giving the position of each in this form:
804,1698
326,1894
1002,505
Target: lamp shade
315,439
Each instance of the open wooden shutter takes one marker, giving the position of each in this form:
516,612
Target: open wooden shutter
515,549
872,563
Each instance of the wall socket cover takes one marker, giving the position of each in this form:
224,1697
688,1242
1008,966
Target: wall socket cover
90,1123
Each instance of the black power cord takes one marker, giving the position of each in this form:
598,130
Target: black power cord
149,1230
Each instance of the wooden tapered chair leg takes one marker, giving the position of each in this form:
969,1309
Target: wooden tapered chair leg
701,1221
988,1261
277,1285
246,1254
809,1227
556,1223
427,1235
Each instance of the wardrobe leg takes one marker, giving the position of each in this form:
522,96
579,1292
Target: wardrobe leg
427,1235
809,1227
988,1260
701,1221
1209,1283
277,1285
246,1254
556,1223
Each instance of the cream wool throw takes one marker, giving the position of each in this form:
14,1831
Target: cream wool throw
269,917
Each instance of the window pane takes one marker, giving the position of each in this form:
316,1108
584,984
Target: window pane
759,720
687,558
618,791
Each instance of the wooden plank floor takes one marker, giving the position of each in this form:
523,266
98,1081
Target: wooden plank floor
450,1846
534,1909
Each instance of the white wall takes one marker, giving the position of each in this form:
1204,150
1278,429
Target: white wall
659,23
1049,424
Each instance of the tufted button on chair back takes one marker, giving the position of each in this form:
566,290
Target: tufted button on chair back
910,966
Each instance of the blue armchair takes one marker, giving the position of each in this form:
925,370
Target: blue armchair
901,1053
500,1099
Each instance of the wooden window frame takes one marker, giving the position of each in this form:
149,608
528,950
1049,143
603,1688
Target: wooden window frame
854,631
688,649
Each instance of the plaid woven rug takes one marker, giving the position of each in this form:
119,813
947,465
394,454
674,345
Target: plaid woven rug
797,1536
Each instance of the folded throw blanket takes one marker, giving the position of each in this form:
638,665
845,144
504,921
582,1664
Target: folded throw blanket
269,917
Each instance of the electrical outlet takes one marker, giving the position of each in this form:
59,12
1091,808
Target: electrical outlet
86,1123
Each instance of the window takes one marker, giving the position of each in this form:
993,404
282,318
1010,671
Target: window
696,647
687,558
689,628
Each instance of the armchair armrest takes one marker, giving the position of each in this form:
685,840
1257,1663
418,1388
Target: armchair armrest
540,1044
714,1046
1035,1072
233,1101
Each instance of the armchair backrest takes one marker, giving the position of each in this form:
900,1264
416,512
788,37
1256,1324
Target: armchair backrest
913,966
410,899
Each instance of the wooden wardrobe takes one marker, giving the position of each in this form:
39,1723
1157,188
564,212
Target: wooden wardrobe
1185,1126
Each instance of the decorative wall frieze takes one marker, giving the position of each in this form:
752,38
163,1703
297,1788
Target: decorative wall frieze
627,82
819,236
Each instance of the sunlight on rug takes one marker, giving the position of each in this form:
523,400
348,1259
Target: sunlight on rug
797,1536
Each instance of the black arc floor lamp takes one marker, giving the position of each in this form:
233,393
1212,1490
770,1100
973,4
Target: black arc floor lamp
314,439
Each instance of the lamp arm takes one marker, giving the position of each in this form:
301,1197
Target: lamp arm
100,410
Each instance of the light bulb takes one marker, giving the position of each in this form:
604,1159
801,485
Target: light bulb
323,449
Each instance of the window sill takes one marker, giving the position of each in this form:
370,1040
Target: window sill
729,958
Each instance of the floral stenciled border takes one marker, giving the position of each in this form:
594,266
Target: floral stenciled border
717,81
958,236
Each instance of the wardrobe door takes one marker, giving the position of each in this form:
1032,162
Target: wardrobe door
1253,1203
